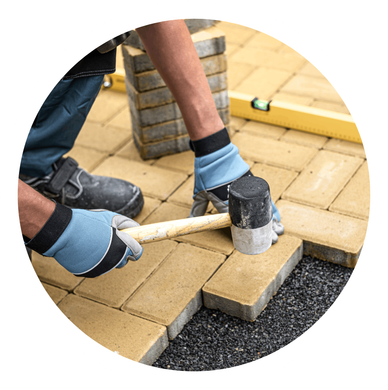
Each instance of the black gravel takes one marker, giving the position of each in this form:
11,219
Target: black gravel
213,340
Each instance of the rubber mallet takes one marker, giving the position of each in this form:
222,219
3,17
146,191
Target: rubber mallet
250,219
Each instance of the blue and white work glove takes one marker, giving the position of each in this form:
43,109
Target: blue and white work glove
217,164
87,243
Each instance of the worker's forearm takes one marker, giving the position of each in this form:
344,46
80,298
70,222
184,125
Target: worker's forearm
34,210
171,49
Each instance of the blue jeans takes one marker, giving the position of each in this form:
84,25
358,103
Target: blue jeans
58,124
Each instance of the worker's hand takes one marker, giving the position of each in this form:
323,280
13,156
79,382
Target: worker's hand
87,243
214,172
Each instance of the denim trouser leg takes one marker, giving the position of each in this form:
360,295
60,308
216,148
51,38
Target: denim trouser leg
58,123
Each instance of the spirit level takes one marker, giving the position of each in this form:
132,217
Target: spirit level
294,116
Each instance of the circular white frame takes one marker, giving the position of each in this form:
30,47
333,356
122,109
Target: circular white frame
338,312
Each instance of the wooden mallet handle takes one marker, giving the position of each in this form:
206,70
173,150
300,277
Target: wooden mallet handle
181,227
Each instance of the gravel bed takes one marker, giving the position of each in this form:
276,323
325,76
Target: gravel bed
213,340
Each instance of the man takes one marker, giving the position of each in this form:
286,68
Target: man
89,243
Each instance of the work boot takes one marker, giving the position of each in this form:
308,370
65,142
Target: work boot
72,186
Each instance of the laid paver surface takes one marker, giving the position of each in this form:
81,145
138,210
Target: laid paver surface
320,185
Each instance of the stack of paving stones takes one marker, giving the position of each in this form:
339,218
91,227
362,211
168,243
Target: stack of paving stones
157,124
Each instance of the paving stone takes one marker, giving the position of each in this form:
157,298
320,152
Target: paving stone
161,96
167,212
264,41
169,112
169,129
354,200
150,205
346,147
219,240
173,293
106,106
132,337
272,152
102,138
122,120
315,87
237,123
263,129
263,82
130,152
237,73
115,287
154,181
150,80
244,284
180,162
183,196
55,293
326,235
207,43
322,179
51,272
310,70
277,178
87,158
161,148
235,33
269,59
304,138
336,107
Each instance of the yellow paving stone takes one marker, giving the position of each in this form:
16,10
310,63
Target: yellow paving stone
150,205
277,178
270,59
346,147
180,162
354,200
155,182
236,123
331,106
272,152
167,212
238,72
55,293
173,293
235,33
102,138
115,287
326,235
132,337
51,272
310,70
231,48
107,105
219,240
87,158
130,152
304,138
264,41
183,196
122,120
263,82
244,284
322,179
315,87
263,129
